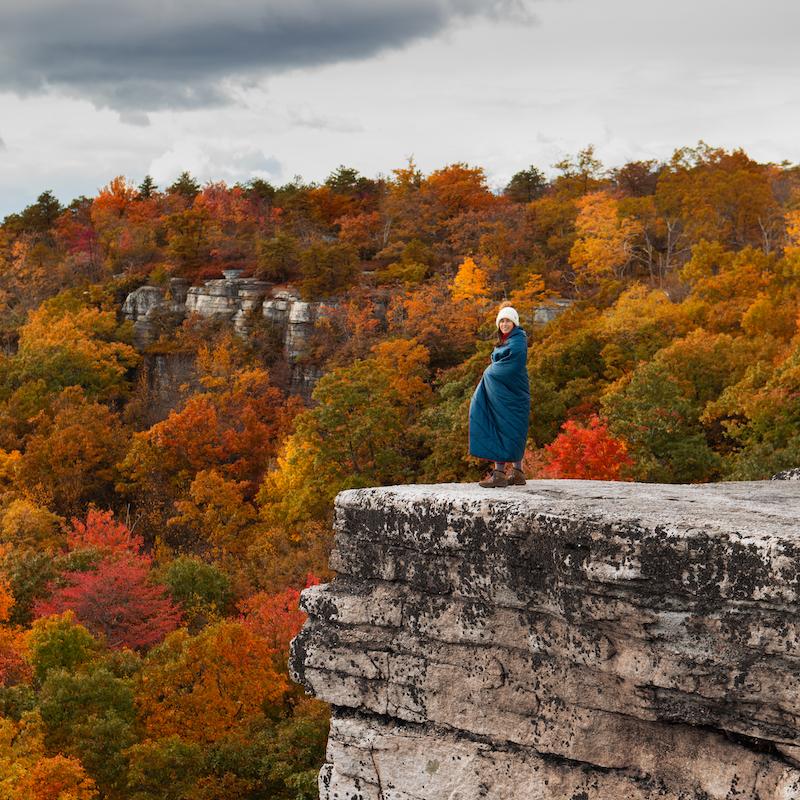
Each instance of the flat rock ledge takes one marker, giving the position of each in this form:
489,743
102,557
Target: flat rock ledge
566,639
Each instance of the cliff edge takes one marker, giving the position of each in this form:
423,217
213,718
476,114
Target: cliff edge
567,639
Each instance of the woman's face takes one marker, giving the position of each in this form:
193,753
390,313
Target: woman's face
505,325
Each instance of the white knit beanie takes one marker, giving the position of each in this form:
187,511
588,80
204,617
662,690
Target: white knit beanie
507,312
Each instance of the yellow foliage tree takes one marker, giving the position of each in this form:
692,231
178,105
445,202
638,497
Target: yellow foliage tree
9,466
25,524
641,322
604,244
74,348
725,284
218,512
360,433
470,283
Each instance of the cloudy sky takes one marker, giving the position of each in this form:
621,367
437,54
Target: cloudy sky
90,89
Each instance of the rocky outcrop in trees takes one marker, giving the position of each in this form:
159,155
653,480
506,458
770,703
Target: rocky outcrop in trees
570,639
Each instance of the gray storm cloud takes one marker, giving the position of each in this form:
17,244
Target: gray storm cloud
145,55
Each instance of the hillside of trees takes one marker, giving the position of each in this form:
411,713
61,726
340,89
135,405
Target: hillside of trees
150,571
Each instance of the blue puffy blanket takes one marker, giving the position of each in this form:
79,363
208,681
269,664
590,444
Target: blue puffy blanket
501,405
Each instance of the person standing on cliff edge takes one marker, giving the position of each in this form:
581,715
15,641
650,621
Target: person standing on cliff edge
500,408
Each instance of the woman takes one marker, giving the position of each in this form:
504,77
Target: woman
500,407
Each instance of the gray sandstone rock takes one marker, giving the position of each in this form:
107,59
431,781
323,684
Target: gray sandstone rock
549,311
566,639
148,309
297,319
788,475
142,301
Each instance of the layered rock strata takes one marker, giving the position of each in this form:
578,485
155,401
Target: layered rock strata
233,300
567,639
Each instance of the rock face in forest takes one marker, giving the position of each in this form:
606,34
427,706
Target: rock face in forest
243,302
567,639
240,301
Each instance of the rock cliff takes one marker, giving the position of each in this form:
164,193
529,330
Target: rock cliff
240,301
567,639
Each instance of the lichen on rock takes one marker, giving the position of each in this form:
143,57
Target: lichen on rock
788,475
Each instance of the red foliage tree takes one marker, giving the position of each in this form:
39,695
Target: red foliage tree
586,452
102,532
118,601
276,618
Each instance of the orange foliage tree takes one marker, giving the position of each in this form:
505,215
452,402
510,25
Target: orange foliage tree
208,686
458,188
235,426
71,456
233,429
124,227
101,532
718,196
429,315
346,331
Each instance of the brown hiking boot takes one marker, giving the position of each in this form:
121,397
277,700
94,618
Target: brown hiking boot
498,480
517,478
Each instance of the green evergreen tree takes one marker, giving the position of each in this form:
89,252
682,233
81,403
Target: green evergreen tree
344,180
327,269
185,185
41,215
260,189
526,185
278,258
147,188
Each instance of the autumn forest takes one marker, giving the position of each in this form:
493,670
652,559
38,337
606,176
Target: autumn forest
151,560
